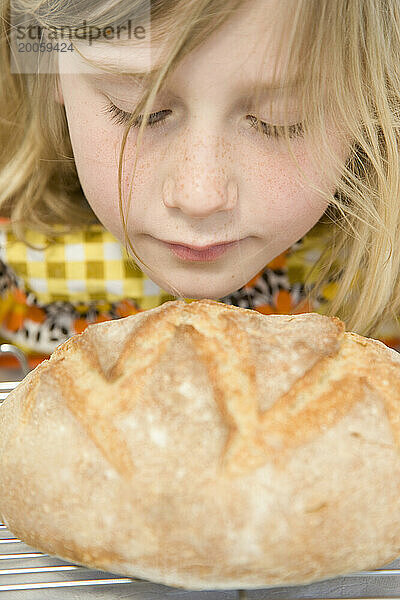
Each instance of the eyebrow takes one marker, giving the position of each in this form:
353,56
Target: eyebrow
139,77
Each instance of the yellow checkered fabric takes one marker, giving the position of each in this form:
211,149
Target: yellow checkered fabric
80,267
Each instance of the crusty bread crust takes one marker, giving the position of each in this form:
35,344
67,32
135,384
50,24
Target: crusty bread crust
208,446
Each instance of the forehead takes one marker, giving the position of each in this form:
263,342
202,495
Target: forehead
245,43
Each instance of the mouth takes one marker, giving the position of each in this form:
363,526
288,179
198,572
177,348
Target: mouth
204,253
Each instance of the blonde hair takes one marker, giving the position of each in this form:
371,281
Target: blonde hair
345,57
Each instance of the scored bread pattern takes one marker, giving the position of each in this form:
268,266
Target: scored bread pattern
254,436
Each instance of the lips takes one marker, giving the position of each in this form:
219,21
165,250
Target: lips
205,254
201,248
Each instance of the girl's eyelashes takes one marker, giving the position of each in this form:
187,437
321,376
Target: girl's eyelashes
157,119
277,131
121,117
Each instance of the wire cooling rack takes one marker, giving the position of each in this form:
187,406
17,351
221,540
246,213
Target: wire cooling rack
26,574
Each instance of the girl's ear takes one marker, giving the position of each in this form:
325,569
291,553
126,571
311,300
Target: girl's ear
58,91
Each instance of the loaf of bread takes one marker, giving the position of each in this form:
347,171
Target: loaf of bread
205,446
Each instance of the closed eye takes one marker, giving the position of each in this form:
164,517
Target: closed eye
122,117
277,131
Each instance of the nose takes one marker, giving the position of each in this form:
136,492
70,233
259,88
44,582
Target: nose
198,183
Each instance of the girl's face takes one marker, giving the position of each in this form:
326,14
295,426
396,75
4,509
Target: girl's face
204,174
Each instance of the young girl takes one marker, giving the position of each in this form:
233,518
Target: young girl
137,128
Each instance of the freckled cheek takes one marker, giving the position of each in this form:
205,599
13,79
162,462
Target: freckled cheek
97,156
271,185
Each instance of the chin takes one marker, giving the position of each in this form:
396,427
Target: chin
196,289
